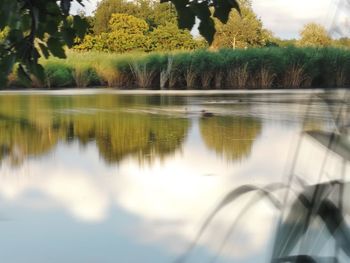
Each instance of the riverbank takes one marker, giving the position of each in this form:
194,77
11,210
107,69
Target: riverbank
97,90
264,68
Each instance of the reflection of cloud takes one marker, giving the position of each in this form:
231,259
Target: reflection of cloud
175,195
78,194
73,189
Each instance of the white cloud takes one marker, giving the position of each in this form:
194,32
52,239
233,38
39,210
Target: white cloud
88,8
286,18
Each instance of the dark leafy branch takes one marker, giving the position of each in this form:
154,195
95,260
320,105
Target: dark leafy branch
204,11
35,28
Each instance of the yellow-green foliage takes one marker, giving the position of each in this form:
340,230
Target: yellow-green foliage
126,33
91,43
153,12
127,23
4,33
169,37
314,35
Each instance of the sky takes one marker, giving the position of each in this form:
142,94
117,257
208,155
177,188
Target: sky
285,18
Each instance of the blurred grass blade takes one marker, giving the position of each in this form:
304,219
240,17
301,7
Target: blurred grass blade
254,200
301,215
305,259
336,225
228,199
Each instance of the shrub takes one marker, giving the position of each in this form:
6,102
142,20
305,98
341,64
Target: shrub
58,74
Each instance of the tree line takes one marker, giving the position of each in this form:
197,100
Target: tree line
145,25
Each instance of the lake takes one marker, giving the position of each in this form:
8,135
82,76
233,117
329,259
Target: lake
101,176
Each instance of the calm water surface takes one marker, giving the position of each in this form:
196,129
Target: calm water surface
104,177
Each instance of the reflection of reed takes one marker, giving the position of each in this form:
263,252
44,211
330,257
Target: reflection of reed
300,216
230,137
143,137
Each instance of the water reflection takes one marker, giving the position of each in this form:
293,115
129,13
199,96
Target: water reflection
231,137
140,136
131,178
119,125
38,123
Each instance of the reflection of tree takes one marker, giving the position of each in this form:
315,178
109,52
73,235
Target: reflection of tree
32,125
231,137
142,136
20,139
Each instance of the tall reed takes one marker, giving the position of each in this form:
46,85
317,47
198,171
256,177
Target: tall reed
190,77
165,74
264,78
83,76
109,75
143,74
237,76
295,77
227,68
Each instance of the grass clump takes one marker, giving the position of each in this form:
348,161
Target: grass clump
201,69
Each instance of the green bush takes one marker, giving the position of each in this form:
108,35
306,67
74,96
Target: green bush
58,74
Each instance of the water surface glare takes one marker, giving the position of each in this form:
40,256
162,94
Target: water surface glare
102,177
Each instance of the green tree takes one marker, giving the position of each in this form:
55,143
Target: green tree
127,33
170,37
241,31
106,8
163,14
152,12
128,24
314,35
